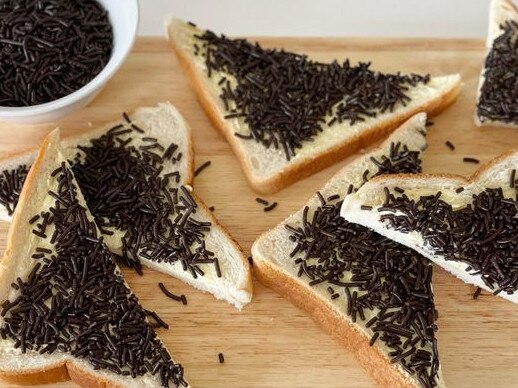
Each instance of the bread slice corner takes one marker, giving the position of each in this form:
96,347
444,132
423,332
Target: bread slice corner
267,169
500,12
494,174
274,267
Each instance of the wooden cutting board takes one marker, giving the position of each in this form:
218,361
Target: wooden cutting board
271,343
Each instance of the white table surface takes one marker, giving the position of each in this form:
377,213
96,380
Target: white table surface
403,18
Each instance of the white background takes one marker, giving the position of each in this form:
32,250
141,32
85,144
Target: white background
406,18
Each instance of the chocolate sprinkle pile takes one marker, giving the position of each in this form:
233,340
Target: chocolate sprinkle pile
499,95
75,300
50,48
287,99
481,234
126,191
270,207
11,183
384,279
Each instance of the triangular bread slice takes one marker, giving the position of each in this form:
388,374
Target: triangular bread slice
161,130
267,169
501,13
467,226
66,311
282,262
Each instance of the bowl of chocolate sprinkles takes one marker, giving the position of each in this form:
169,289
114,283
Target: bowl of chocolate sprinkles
57,55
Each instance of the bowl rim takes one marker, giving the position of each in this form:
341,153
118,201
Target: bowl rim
104,75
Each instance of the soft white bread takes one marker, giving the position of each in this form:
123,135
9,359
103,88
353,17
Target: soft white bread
267,169
166,124
275,268
500,12
32,367
493,175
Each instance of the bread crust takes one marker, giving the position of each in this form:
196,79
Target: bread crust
303,168
52,374
375,363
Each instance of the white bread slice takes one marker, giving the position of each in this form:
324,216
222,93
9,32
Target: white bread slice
32,368
500,11
267,169
493,175
165,123
275,268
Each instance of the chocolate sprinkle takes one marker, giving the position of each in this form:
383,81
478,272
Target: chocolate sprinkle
221,358
477,293
450,145
481,234
76,301
51,48
471,160
11,183
384,278
286,99
498,94
169,294
202,167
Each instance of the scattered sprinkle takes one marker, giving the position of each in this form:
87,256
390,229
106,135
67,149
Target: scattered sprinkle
202,167
169,294
262,201
471,160
270,207
450,145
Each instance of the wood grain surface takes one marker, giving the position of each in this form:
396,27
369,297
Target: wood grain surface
271,343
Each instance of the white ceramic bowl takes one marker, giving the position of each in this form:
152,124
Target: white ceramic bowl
124,16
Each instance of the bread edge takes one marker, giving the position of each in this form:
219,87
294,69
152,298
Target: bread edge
300,170
369,357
